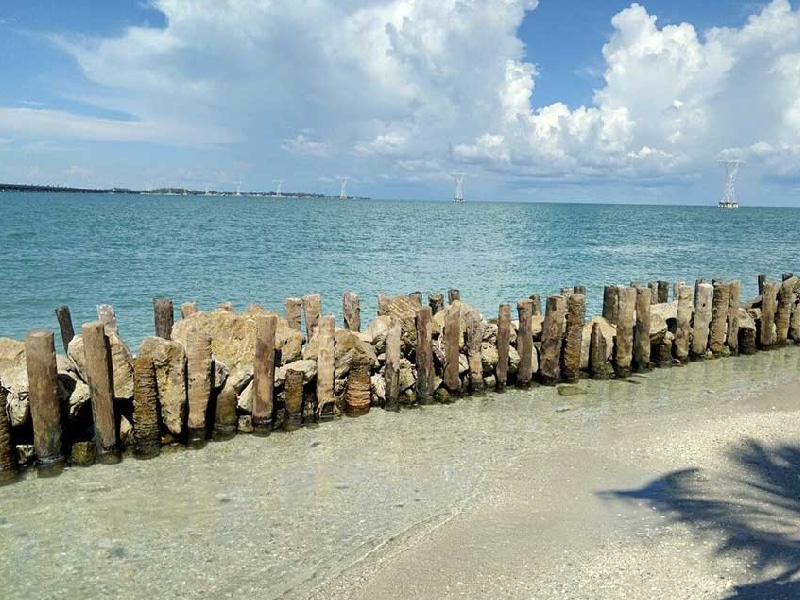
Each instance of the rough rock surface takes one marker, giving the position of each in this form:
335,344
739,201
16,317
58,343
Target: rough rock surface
378,388
609,331
307,367
489,358
121,363
660,314
377,331
169,358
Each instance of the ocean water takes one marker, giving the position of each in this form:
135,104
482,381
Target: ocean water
82,250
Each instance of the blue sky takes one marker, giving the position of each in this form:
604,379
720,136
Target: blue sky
567,100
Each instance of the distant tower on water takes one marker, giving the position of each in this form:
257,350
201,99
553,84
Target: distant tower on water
459,181
278,187
343,187
732,170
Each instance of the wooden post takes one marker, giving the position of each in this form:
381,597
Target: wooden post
762,279
264,374
626,318
579,289
576,317
703,301
351,309
393,356
198,375
536,308
107,316
425,371
663,292
474,338
683,334
40,356
641,332
146,442
312,309
503,345
525,342
783,316
100,378
8,459
293,308
611,303
552,338
357,391
733,317
653,287
436,302
720,309
225,418
453,295
164,316
416,298
452,343
748,343
188,309
65,325
294,400
326,399
599,366
769,309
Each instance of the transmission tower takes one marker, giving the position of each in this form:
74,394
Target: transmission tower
343,189
278,186
459,181
732,170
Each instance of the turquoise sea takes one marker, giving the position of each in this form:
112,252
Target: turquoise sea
82,250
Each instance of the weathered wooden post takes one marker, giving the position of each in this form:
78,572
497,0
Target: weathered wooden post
416,298
436,302
525,342
108,317
65,325
188,309
503,345
425,371
579,289
326,367
599,366
351,309
264,374
703,301
40,357
552,338
393,357
663,292
357,390
312,309
164,315
293,386
8,460
474,338
762,279
720,308
293,309
100,378
452,343
611,303
453,295
626,318
641,332
769,308
146,442
198,376
733,317
783,315
683,334
653,287
576,317
536,307
225,418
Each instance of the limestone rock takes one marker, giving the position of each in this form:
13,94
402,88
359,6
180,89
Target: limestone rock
463,364
219,373
78,398
489,358
347,347
125,433
245,400
608,330
377,331
307,367
404,309
407,376
240,378
169,359
121,363
490,333
514,360
378,388
660,317
747,318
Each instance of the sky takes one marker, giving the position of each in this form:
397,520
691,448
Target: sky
535,100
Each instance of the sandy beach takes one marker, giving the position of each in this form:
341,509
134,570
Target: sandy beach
681,483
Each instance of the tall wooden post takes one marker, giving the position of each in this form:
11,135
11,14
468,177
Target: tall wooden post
641,332
733,316
452,343
436,302
326,367
425,370
552,339
198,375
536,307
703,301
474,338
769,309
393,356
188,309
663,292
720,309
599,366
525,342
576,317
146,442
312,309
783,315
65,325
683,334
503,345
8,462
40,356
611,303
653,287
293,387
357,392
762,279
351,309
164,316
453,295
626,318
293,308
101,387
264,374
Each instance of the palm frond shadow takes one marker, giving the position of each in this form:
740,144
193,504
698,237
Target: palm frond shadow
756,512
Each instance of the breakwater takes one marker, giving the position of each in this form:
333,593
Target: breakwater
211,375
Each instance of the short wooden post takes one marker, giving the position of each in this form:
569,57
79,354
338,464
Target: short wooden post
474,338
626,318
720,309
416,298
198,375
525,342
312,309
573,339
351,310
599,366
453,295
748,342
641,332
425,370
8,459
769,308
683,333
436,302
393,356
65,325
357,391
703,301
108,317
293,388
733,316
552,338
536,307
146,442
100,378
264,374
40,356
326,367
188,309
293,308
452,344
653,287
503,345
164,317
663,292
225,418
611,303
783,315
762,279
579,289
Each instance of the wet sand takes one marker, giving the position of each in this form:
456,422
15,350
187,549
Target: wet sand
527,494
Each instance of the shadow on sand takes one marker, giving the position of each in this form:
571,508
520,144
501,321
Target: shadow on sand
755,512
